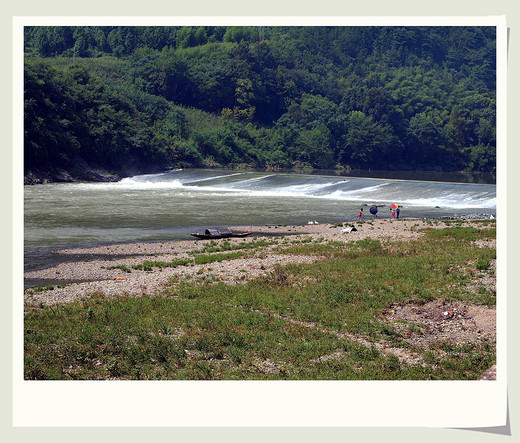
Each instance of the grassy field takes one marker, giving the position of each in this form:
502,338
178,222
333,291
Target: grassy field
308,322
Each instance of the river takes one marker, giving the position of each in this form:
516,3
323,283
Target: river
170,205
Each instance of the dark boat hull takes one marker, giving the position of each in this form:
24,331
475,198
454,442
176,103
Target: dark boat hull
214,233
216,236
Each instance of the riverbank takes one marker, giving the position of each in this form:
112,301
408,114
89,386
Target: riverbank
118,271
81,171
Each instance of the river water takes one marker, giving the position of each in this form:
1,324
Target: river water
170,205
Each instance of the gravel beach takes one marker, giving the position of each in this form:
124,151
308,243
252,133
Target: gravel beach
80,278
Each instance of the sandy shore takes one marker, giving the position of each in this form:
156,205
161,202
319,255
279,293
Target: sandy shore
93,274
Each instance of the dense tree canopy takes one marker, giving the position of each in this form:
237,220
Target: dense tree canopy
136,99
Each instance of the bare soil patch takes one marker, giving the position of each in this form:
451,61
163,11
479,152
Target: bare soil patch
443,322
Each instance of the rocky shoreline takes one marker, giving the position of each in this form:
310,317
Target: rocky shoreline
58,175
467,217
81,171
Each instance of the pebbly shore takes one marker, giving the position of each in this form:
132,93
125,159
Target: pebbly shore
110,275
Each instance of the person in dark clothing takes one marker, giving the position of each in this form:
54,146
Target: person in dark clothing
397,211
373,211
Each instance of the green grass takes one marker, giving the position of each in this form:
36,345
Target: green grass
200,259
207,258
120,267
158,338
37,289
149,265
208,254
467,233
222,246
284,325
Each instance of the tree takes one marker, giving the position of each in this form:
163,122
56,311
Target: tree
425,139
188,37
237,34
157,37
316,110
453,134
243,109
122,40
51,40
314,147
367,143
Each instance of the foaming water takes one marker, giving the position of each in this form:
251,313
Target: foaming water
170,205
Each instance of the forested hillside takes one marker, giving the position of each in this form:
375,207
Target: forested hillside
130,100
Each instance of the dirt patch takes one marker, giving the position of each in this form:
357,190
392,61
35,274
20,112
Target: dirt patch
267,366
484,279
438,322
490,374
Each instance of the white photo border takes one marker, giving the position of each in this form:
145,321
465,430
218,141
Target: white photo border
460,404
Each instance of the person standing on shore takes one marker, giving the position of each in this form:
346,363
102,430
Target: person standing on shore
360,215
393,212
373,211
397,211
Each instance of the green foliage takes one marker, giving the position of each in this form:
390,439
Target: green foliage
189,36
482,263
120,267
207,258
240,33
268,97
468,233
149,265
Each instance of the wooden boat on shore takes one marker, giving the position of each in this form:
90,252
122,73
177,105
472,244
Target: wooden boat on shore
214,233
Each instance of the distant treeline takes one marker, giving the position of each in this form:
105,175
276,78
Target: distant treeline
140,99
